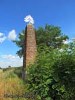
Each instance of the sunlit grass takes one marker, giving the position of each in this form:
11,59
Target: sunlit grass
11,84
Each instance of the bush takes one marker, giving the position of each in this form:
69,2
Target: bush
52,77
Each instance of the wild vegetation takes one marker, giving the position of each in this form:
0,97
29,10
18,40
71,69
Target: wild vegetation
52,76
12,86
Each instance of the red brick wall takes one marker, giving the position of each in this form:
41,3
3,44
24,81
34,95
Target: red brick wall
30,45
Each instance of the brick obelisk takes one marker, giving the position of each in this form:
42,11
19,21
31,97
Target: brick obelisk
30,49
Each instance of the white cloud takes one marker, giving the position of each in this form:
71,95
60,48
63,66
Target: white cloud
66,41
10,60
29,19
2,37
9,56
1,34
73,39
12,35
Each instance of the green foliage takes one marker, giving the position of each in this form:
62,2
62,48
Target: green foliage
64,71
49,35
52,77
20,43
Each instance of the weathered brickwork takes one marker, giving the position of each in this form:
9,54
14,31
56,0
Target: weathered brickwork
30,45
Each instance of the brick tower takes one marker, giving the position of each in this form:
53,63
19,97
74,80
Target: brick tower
30,47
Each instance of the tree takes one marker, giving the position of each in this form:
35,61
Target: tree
49,35
20,43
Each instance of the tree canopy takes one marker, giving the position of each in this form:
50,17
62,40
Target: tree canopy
49,35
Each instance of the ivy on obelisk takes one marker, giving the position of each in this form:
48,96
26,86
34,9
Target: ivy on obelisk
30,48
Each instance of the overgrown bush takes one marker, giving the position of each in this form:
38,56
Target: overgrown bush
52,77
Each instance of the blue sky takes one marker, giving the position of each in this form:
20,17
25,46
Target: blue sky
12,12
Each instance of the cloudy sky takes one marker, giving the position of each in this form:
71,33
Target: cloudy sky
12,13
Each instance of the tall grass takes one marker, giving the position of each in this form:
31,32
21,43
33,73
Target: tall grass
11,84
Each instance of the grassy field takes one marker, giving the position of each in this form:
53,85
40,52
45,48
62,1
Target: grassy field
12,85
